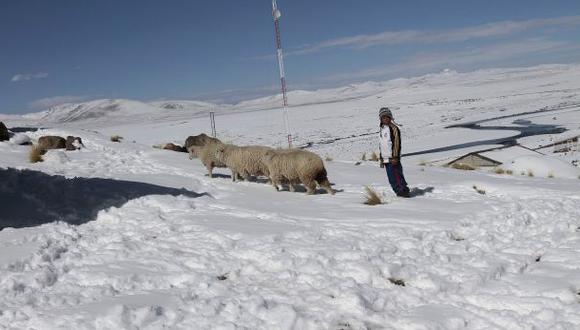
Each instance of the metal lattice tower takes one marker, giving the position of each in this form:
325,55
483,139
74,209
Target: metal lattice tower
276,14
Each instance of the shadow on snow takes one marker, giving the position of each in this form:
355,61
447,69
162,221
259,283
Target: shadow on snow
31,198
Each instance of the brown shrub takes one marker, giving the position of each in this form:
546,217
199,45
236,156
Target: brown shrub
35,154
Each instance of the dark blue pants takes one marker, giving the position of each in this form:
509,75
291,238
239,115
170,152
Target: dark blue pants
396,178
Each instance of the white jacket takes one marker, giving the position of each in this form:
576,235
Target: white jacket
389,142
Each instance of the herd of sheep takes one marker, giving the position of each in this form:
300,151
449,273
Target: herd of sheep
281,166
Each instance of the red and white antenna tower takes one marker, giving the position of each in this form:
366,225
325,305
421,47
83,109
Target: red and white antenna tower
276,14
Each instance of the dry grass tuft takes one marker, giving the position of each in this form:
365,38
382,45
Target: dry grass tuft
464,167
374,157
499,170
509,172
372,197
551,175
116,138
364,156
479,190
35,154
328,159
423,162
530,173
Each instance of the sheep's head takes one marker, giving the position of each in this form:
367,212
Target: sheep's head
193,151
268,155
220,152
74,141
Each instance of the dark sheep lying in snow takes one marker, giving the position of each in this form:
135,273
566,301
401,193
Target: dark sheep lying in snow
4,133
174,147
51,142
73,142
56,142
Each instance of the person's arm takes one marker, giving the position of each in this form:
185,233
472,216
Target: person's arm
383,143
396,144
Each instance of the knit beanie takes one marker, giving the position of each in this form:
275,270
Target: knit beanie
385,112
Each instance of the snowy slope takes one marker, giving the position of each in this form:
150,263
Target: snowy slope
160,245
120,110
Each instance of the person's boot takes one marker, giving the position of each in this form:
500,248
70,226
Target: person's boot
405,193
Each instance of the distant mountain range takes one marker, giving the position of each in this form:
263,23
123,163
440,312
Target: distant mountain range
103,110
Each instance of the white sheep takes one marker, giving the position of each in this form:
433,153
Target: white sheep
297,166
244,161
207,155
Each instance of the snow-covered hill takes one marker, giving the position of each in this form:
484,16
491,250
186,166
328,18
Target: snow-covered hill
119,109
154,243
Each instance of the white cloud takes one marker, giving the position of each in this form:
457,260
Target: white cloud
48,102
446,36
236,95
28,76
470,57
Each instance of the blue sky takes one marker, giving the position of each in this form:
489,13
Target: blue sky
73,50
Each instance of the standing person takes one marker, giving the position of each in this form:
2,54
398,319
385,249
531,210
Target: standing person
390,152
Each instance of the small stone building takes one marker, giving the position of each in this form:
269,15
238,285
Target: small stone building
493,157
474,159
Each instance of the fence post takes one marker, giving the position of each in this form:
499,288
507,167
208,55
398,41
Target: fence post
212,120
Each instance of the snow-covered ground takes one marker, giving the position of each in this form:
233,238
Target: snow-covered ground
151,242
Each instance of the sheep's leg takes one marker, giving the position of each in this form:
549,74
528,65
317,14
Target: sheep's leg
210,170
246,176
325,184
310,187
273,183
276,182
